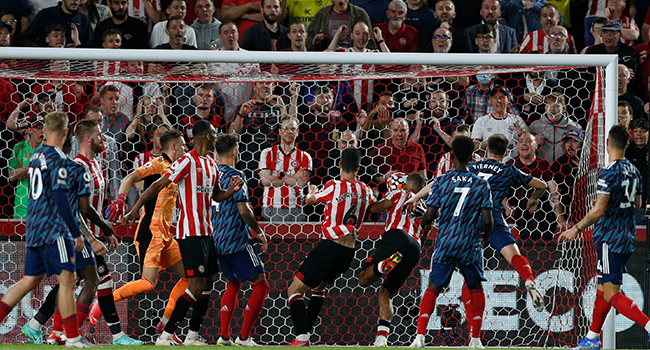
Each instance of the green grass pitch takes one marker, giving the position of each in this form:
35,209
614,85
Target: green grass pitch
151,347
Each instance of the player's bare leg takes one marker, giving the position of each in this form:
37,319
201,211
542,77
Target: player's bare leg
295,293
16,293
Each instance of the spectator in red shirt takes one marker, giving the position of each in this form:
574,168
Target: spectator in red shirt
643,68
541,223
398,154
399,36
245,13
206,108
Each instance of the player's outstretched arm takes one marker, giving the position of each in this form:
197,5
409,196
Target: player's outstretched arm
98,247
151,192
429,216
412,203
592,216
116,208
638,202
380,206
310,199
249,218
220,195
540,188
487,225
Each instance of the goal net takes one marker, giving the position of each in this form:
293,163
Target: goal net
337,98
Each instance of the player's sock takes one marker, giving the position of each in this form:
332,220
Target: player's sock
47,309
313,309
228,304
522,266
427,306
477,305
601,309
132,288
176,293
254,307
71,326
466,297
57,322
107,305
199,309
297,307
383,328
5,309
629,309
182,305
82,313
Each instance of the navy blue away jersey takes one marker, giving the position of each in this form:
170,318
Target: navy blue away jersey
501,178
231,234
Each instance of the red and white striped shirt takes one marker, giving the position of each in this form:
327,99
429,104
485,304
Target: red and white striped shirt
538,41
142,159
274,159
97,187
446,163
596,8
628,22
138,10
347,203
401,219
196,177
363,89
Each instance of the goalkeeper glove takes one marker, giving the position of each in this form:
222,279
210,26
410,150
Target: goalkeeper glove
116,209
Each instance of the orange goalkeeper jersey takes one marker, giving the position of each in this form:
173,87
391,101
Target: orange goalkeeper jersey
158,212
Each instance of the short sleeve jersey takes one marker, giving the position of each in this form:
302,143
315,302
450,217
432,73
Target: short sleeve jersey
231,233
460,196
622,182
501,178
196,177
80,181
400,218
47,172
347,204
97,186
274,159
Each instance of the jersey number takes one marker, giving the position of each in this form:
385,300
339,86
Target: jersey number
485,176
629,193
463,196
35,183
350,215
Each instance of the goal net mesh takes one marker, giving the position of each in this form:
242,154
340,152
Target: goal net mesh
328,100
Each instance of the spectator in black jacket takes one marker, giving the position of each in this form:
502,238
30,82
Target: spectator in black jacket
134,32
268,35
67,14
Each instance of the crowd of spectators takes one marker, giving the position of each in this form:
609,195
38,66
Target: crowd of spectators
291,133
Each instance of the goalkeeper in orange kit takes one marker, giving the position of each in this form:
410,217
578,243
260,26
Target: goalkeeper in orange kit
155,244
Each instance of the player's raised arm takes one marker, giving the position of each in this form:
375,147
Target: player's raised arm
310,199
381,206
119,204
592,216
540,189
413,202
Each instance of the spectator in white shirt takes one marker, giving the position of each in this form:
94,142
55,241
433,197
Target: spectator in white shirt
498,122
158,34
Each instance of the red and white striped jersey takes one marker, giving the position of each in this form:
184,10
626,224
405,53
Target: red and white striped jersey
97,187
628,22
596,8
274,159
142,159
108,67
363,89
400,218
137,9
347,203
196,177
446,162
538,41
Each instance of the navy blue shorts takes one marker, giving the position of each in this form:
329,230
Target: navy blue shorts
85,257
241,266
611,266
500,236
441,273
50,258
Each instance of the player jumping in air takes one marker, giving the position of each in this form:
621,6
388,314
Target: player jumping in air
398,252
618,195
237,259
465,205
196,175
154,241
52,233
347,203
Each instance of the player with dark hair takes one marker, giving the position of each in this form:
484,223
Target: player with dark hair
398,252
155,244
465,204
52,232
239,262
348,200
618,195
196,175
